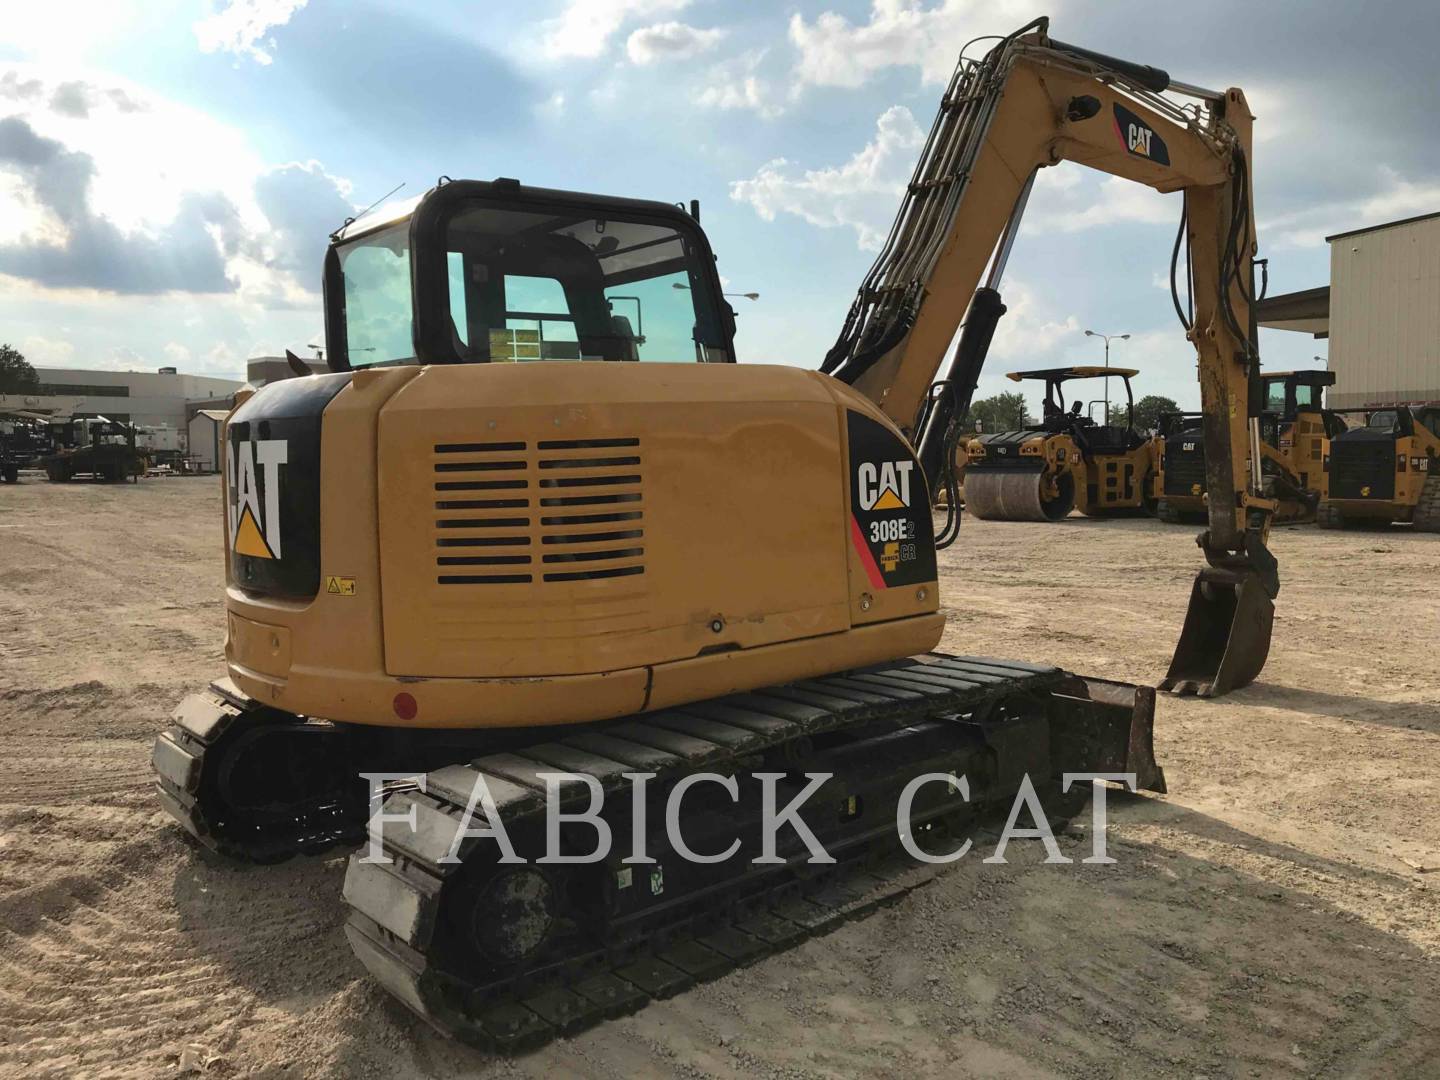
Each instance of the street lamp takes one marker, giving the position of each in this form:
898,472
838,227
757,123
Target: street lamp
1108,338
745,295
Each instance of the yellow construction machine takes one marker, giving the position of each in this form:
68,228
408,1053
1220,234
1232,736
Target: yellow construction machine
1294,427
1066,461
501,553
1384,470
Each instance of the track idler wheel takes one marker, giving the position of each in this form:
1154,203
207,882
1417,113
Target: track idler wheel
1017,495
1226,637
513,915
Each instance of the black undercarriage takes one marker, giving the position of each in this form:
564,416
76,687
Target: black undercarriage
509,955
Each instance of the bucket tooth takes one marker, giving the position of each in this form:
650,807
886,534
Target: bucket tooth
1226,636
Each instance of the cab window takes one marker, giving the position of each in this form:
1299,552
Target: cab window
1275,396
528,286
379,327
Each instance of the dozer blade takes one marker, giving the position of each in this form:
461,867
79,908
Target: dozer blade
1226,636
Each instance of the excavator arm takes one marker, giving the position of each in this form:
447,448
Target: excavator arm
1032,102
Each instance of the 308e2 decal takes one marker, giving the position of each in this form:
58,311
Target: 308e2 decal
890,525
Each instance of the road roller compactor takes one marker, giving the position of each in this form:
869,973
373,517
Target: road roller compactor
1065,462
497,554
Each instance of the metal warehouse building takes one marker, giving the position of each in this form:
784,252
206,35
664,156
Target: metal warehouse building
148,398
1381,313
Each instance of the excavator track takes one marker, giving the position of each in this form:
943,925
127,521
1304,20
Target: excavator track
507,957
240,804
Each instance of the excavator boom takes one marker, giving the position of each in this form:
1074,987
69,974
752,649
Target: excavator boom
1030,103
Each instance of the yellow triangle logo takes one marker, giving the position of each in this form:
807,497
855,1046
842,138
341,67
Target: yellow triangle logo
248,540
888,501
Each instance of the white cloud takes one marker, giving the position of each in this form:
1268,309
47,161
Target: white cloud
553,107
242,27
134,193
48,352
1069,198
900,33
736,84
1391,198
861,194
584,28
177,354
1030,335
60,32
1024,336
670,41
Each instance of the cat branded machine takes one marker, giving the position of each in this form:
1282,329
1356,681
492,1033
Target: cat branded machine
1066,461
498,542
1294,427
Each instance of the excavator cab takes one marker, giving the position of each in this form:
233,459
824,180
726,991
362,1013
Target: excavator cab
505,274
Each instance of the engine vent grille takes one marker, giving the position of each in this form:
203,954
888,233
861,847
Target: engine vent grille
1362,469
1184,468
570,510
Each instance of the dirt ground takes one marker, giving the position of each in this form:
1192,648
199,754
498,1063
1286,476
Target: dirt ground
1269,917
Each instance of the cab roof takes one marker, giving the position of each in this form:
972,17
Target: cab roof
1312,376
1063,374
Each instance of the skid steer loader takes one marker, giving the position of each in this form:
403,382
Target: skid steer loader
1384,470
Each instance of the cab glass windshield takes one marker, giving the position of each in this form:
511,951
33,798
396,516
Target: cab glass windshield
527,285
379,323
1275,395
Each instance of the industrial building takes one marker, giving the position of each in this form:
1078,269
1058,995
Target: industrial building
161,404
260,370
159,399
1380,313
173,411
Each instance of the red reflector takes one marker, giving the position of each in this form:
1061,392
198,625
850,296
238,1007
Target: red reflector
405,707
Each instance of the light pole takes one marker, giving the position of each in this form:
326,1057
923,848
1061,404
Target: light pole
744,295
1108,338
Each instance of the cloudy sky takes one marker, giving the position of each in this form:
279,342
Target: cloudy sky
169,169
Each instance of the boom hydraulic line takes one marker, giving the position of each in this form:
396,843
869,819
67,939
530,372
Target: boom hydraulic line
1029,103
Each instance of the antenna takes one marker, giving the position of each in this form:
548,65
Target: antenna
372,206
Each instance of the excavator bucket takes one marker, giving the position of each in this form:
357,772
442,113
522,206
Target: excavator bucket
1226,636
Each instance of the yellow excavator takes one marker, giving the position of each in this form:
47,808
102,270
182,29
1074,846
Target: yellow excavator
1064,462
497,553
1294,427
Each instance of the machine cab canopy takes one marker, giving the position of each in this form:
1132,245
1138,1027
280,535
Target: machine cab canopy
1065,374
1054,378
477,272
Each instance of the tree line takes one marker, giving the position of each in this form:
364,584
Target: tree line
16,374
1008,412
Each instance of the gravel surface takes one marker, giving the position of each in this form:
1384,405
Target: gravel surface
1272,916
